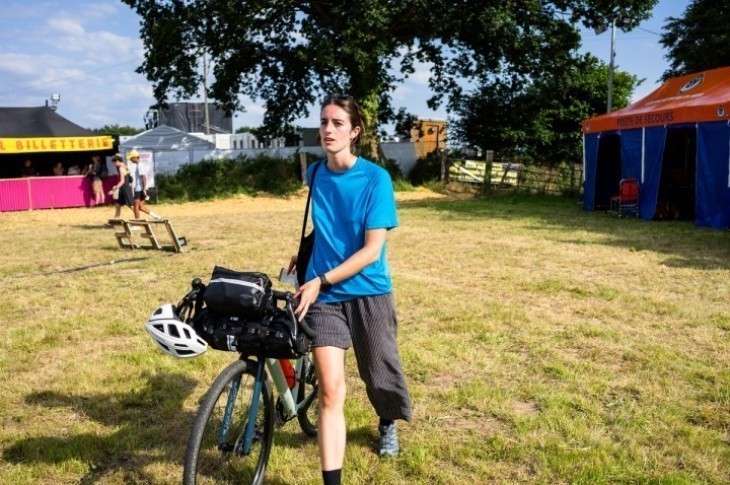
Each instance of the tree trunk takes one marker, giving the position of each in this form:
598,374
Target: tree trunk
369,145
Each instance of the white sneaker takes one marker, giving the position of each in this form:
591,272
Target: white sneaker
155,216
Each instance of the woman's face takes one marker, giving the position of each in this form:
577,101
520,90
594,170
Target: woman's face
336,130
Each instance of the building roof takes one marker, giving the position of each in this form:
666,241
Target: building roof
165,138
37,122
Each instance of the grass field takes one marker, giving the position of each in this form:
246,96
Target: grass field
542,344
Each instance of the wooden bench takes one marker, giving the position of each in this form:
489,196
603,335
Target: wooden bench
130,233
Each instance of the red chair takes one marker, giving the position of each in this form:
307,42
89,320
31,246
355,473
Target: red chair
626,203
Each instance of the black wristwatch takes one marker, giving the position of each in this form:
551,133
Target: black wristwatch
325,284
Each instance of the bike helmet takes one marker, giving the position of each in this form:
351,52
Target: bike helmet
174,336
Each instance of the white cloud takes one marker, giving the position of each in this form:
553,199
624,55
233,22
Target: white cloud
64,25
101,11
422,74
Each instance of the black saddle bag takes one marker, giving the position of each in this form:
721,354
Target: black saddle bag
245,294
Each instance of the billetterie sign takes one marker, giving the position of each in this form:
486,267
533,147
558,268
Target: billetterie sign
55,144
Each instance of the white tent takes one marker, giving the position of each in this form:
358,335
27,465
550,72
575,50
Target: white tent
169,147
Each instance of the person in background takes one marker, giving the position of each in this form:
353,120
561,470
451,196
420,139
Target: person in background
140,187
73,170
92,171
58,169
122,191
28,169
347,298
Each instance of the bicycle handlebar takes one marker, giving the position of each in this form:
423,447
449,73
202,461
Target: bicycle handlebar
289,298
286,296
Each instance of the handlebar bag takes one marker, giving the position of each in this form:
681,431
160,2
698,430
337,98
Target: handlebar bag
268,337
273,338
221,332
246,294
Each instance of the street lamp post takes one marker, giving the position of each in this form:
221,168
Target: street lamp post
55,99
609,107
616,20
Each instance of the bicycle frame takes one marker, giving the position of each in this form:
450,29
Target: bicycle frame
286,394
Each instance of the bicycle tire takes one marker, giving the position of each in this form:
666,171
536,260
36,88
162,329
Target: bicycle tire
308,415
208,462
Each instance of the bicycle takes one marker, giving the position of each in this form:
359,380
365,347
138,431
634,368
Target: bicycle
232,435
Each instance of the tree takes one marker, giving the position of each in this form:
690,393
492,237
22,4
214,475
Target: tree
117,130
404,122
698,41
543,119
290,53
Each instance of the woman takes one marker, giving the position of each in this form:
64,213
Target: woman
92,171
58,169
122,191
347,297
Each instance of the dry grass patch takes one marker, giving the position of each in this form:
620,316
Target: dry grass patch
542,344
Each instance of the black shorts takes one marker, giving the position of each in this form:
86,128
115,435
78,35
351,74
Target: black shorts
139,195
369,325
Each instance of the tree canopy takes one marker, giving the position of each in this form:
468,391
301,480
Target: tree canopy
290,53
699,40
117,130
543,119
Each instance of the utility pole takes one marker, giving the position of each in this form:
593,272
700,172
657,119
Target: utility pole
609,108
205,94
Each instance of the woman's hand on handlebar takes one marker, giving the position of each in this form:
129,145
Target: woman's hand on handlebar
307,295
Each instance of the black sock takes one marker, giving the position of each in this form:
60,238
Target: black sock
332,477
386,422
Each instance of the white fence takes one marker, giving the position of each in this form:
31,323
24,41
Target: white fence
169,161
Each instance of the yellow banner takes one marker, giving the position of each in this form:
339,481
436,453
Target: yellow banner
55,144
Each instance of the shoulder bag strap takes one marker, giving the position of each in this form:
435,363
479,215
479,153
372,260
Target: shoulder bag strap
309,198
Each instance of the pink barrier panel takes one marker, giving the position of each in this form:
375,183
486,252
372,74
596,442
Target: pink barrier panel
50,192
14,195
58,192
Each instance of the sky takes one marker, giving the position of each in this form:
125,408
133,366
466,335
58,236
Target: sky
88,51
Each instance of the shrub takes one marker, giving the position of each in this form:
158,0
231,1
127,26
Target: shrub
223,177
426,169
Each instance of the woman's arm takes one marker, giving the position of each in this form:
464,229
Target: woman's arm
122,176
370,252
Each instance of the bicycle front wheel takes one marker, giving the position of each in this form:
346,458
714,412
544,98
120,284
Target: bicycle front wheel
216,451
308,414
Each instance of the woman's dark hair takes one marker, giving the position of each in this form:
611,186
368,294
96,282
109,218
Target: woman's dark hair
353,110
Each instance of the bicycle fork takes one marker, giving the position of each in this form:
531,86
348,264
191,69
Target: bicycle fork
243,444
258,383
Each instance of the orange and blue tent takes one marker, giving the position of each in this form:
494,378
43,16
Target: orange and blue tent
675,142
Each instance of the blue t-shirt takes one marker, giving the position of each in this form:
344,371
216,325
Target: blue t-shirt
344,206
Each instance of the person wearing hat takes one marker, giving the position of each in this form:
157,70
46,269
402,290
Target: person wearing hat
140,187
